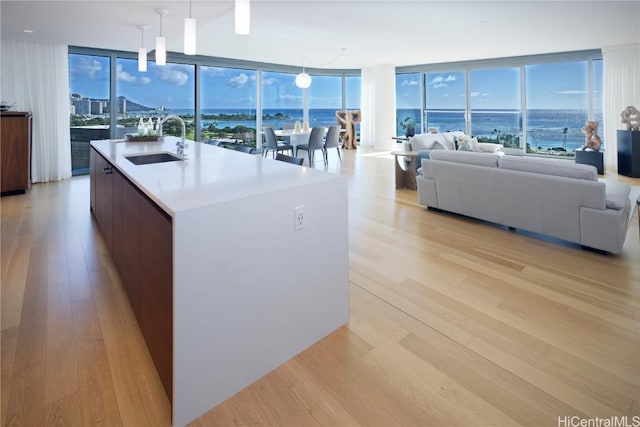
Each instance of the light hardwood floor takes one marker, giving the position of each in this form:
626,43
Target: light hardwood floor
452,322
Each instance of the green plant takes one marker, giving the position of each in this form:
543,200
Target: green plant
408,122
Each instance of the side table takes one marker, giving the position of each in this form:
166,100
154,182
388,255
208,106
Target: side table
405,171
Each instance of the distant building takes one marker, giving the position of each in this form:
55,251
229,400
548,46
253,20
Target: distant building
97,107
82,106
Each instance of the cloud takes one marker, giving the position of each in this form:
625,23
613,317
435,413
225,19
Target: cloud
270,81
572,92
88,67
479,94
239,81
411,82
214,71
126,77
290,98
175,75
441,81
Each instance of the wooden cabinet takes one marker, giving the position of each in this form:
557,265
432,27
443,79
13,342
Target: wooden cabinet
15,152
141,245
127,238
156,288
629,153
102,196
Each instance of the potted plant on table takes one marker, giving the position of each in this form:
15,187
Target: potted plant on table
409,126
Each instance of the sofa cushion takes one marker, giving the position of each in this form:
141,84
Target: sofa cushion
489,147
616,194
428,141
555,167
468,157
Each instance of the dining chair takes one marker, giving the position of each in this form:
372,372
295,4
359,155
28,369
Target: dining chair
316,142
243,148
271,142
287,126
331,141
290,159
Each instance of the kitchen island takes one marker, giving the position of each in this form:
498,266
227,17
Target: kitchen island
223,283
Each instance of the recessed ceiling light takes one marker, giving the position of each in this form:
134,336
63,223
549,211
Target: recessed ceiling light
27,31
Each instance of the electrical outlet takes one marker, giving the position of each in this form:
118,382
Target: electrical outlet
298,218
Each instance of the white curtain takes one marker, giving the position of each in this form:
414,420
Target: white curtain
621,88
36,77
378,106
367,106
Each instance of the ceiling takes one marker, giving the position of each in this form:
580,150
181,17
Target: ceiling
336,34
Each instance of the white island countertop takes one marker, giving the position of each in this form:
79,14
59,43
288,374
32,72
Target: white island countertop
239,311
210,175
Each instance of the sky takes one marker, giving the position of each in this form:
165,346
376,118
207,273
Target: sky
173,86
549,86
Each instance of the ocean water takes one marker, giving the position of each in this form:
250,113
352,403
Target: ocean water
545,128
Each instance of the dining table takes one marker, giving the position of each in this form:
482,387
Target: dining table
296,137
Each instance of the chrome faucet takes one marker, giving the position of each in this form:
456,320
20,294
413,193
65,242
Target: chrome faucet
180,144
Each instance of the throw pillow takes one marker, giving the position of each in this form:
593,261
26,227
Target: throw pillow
473,144
463,143
464,146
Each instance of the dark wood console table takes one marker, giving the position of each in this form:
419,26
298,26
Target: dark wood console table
15,152
629,153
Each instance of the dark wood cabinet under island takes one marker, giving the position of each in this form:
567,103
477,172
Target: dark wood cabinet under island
138,235
15,152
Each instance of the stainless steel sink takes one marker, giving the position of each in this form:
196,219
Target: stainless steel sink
147,159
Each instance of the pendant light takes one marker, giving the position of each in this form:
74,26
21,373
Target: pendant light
189,34
161,42
142,51
243,16
303,80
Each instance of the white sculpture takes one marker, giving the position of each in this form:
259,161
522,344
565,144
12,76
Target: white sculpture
631,118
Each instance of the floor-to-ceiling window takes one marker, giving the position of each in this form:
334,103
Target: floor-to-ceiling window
535,104
325,98
153,94
596,95
89,85
408,104
445,103
494,102
557,106
282,100
228,99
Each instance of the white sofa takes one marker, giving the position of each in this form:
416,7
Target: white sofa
447,141
548,196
